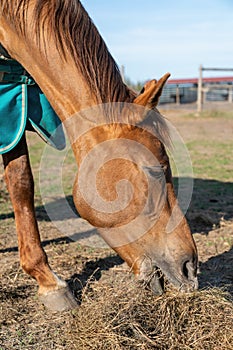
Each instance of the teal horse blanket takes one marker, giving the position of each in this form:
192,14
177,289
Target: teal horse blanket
22,103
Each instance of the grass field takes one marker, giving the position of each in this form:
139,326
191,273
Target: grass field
114,312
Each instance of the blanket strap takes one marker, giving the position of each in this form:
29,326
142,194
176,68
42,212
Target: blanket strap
11,78
12,72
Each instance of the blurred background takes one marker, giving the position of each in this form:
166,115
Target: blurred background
150,38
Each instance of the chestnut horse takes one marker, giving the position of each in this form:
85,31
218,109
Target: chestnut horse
57,43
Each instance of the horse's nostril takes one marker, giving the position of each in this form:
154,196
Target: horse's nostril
186,269
189,269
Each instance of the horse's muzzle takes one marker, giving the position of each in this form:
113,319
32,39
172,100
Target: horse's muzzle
184,278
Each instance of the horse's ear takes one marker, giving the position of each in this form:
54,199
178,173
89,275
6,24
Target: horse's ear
151,92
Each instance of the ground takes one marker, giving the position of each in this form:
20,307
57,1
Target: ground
85,261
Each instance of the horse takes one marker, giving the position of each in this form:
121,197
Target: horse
60,47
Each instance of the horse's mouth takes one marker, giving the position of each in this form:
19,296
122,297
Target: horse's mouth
153,280
159,281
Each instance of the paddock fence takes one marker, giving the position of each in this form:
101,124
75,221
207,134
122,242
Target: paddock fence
199,90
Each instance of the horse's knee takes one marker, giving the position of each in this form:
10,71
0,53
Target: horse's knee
19,179
19,172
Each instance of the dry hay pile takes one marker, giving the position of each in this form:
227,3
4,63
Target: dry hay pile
128,317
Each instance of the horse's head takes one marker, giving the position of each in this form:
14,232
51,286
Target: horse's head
124,187
168,245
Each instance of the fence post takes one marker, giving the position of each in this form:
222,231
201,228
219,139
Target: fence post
230,94
177,95
199,91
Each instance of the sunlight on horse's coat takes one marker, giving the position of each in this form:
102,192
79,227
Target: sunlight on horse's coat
60,47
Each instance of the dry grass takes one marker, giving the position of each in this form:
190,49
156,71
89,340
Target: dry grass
128,317
117,314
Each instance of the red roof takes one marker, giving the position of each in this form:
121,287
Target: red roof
205,80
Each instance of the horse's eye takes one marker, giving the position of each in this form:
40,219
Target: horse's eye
155,171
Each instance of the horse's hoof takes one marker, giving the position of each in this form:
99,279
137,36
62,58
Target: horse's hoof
61,299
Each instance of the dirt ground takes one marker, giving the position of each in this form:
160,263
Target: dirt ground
25,324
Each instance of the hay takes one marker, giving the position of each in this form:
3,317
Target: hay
127,317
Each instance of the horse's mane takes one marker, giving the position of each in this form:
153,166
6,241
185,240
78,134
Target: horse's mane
75,33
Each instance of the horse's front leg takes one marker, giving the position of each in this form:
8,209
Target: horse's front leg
53,292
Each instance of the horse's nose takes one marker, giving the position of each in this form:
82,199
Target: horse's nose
189,271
